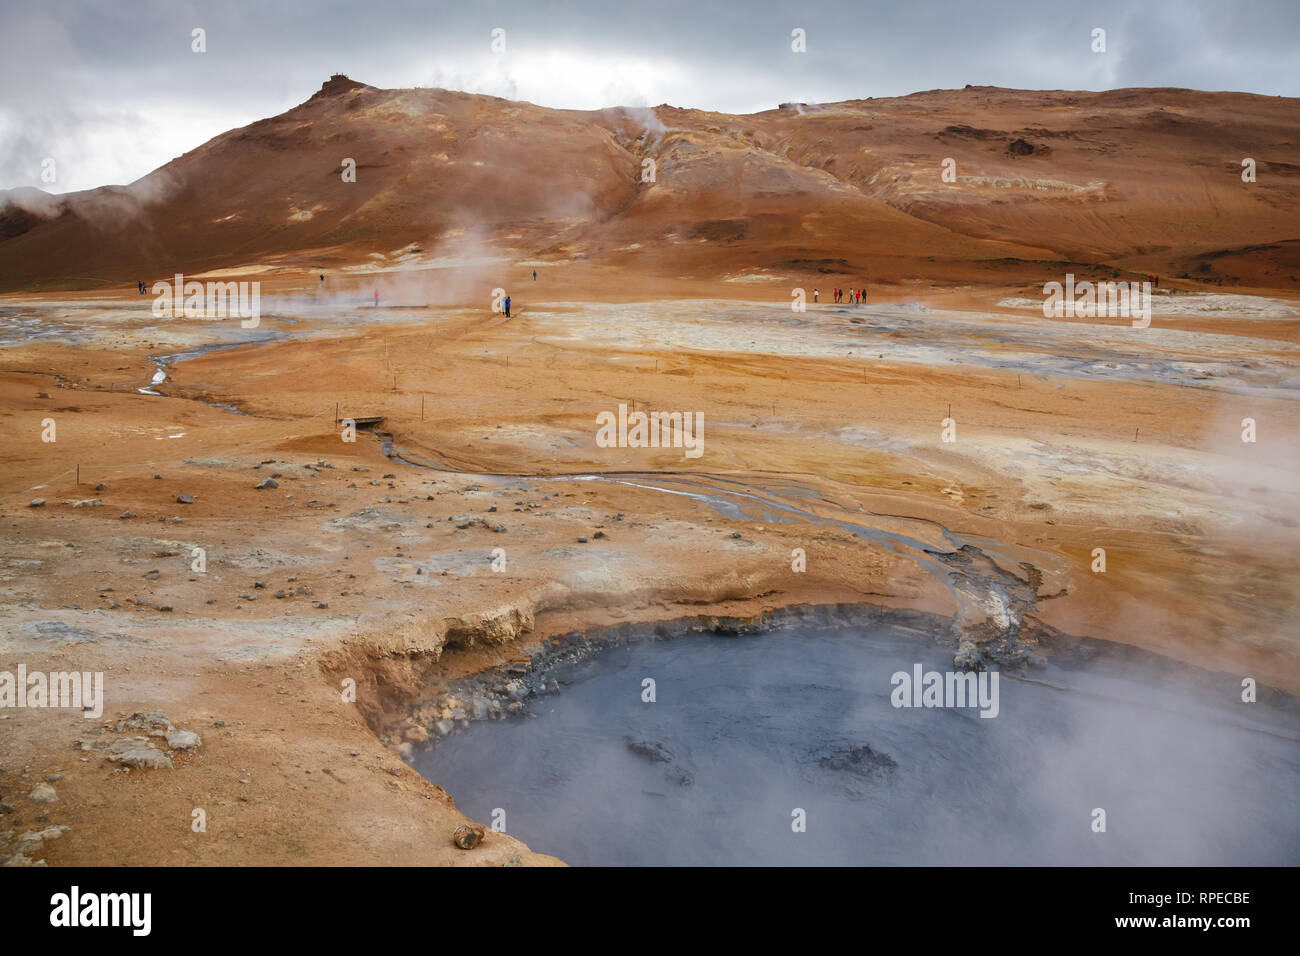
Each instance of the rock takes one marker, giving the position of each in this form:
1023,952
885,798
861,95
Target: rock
152,575
183,739
142,755
650,749
513,861
416,734
516,690
126,514
43,793
444,726
36,503
101,487
185,499
32,841
862,761
478,708
154,720
468,836
266,483
582,539
735,534
88,503
492,508
599,534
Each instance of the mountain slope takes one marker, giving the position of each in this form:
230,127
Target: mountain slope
1146,180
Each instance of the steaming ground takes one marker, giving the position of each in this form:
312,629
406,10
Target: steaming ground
745,730
822,436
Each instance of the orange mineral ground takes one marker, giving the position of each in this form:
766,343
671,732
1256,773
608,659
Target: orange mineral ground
942,447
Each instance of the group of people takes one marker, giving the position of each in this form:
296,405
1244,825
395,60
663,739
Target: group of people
856,296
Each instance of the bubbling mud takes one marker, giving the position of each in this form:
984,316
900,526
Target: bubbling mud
747,735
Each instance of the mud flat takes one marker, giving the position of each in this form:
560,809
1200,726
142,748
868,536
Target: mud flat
481,519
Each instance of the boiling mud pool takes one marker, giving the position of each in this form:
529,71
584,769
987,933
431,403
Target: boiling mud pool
747,729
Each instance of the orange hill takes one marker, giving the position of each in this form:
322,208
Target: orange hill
1137,180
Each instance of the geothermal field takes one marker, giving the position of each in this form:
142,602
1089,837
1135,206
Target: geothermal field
687,551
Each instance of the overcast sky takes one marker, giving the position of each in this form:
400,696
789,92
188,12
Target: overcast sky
110,89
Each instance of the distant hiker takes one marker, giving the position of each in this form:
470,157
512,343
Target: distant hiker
376,298
534,275
815,294
322,280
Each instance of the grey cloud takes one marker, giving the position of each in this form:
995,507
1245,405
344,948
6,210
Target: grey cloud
61,62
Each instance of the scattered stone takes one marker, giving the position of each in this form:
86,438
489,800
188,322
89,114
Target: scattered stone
185,499
36,503
468,836
735,534
101,487
266,483
183,739
43,793
582,539
126,515
142,755
444,727
599,534
158,477
88,503
152,575
153,720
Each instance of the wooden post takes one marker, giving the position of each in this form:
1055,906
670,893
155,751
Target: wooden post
78,476
421,408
